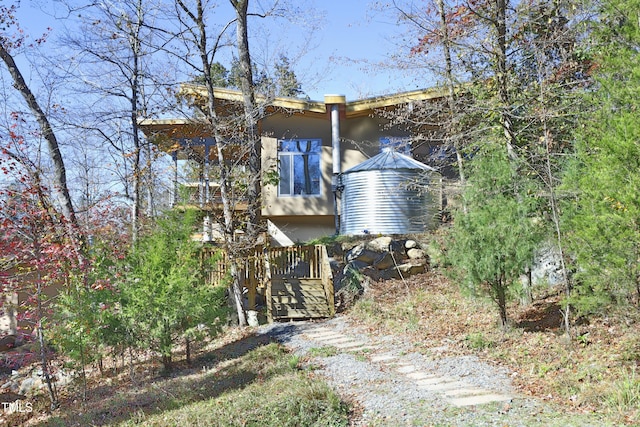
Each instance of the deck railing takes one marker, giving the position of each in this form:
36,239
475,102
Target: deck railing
296,261
261,265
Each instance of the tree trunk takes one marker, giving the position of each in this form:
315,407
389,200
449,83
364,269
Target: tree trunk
44,359
502,75
134,41
225,172
527,291
501,298
549,180
166,362
236,294
60,171
131,367
251,121
451,99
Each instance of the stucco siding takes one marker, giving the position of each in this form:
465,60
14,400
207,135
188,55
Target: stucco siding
359,141
290,230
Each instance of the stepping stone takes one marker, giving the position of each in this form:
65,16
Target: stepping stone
351,344
327,338
406,369
365,348
435,380
443,386
480,400
383,358
319,331
324,335
336,341
420,375
470,391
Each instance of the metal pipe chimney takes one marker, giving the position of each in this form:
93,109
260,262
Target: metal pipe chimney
334,102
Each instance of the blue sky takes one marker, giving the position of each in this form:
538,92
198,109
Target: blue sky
353,39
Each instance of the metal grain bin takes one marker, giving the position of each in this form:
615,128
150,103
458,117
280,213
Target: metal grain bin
388,194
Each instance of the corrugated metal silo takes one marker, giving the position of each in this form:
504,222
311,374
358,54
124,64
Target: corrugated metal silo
388,194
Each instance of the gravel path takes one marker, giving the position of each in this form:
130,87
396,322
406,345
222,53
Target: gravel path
394,385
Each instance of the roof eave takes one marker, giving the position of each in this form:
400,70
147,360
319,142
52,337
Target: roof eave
351,108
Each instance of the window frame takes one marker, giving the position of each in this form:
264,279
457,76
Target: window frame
291,163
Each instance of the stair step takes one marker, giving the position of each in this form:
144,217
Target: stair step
293,313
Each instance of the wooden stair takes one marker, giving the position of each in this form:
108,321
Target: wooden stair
296,281
300,284
293,298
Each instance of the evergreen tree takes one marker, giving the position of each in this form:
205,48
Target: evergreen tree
163,297
286,81
604,218
494,240
219,75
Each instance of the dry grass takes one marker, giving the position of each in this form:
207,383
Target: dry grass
239,375
593,372
238,380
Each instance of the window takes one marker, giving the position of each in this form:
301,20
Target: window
299,163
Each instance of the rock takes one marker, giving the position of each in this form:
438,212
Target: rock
397,248
377,275
354,265
409,269
11,385
347,246
335,265
27,385
384,261
414,253
362,254
252,318
547,266
410,244
335,249
380,244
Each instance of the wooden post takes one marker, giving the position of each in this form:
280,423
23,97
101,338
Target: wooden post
252,282
267,294
327,280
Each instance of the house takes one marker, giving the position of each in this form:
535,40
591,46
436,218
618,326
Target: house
308,144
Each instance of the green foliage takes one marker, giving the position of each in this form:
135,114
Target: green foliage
86,322
495,239
351,287
163,296
258,387
624,396
219,75
284,81
148,299
478,341
325,351
603,220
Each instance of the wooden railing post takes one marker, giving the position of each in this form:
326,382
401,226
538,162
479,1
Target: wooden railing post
327,279
267,293
252,282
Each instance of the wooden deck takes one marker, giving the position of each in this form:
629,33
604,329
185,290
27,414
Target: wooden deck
294,282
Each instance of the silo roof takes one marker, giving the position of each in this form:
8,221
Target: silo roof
390,159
